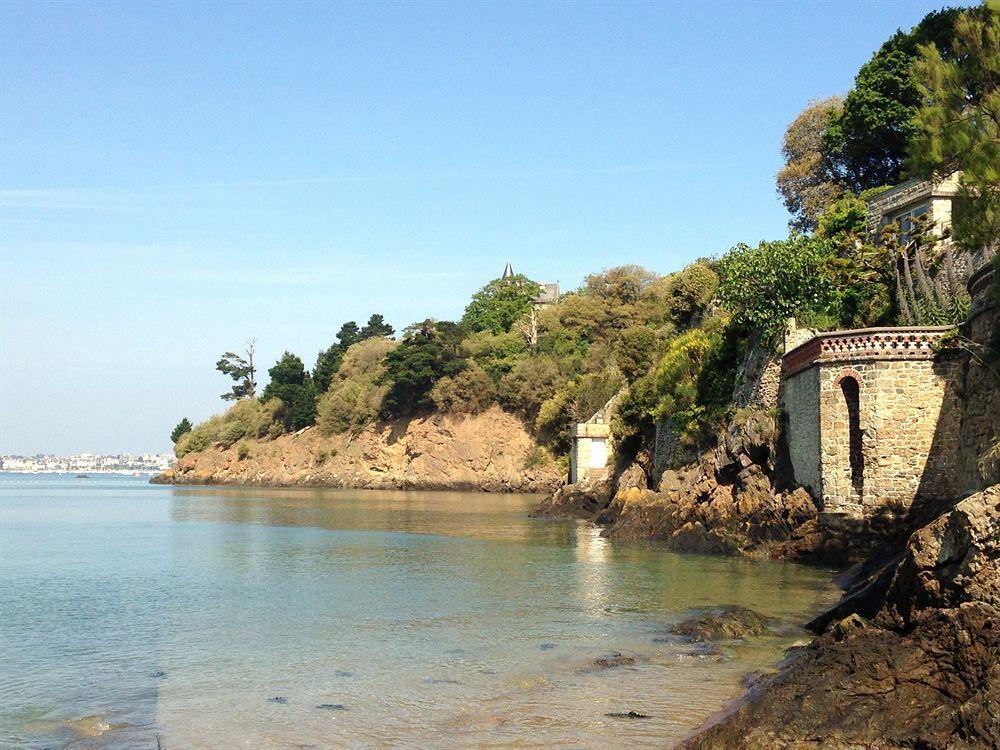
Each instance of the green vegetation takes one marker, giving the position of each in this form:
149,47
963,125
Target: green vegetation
241,369
958,125
668,348
183,428
500,304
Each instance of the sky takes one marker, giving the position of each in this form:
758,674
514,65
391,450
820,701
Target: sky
177,178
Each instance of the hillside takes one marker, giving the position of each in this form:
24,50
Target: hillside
490,451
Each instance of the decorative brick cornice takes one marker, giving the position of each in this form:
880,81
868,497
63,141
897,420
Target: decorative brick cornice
865,345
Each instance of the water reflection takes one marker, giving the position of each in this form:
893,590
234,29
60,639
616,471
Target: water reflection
437,620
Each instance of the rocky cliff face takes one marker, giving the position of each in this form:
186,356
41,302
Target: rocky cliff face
490,451
909,659
727,503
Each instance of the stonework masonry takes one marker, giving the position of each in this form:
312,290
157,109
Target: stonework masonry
866,412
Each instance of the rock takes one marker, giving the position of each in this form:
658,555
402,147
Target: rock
547,646
441,681
908,660
721,624
490,451
331,707
342,673
581,500
726,503
627,715
278,699
614,660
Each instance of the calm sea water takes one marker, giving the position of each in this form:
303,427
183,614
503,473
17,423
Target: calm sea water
137,616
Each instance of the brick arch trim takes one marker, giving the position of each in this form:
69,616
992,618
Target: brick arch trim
850,373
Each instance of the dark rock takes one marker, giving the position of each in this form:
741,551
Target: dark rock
341,673
917,668
584,500
626,715
721,624
331,707
547,646
614,660
159,675
278,699
441,681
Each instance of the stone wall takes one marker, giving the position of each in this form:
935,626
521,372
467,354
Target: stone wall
871,418
800,407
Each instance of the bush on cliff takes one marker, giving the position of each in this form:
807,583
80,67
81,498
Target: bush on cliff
467,392
247,418
355,397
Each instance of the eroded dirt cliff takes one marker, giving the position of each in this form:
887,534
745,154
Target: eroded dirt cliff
490,451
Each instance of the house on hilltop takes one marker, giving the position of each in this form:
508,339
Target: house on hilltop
548,295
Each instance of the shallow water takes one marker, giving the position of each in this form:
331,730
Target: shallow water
138,616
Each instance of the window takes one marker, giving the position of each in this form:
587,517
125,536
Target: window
907,219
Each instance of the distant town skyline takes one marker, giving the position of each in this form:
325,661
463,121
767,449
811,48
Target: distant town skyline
178,178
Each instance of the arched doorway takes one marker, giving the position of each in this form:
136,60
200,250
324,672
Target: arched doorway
851,390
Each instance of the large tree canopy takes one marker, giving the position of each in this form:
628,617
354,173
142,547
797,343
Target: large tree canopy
500,304
958,123
807,182
867,141
294,387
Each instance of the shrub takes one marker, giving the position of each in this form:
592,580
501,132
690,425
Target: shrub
467,392
495,353
354,397
536,457
530,383
685,294
243,450
247,418
763,286
633,352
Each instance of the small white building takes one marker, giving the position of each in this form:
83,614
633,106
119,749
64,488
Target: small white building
591,452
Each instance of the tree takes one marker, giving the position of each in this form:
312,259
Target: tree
294,387
183,427
622,284
429,351
807,182
376,326
958,122
763,286
867,141
241,369
469,391
500,304
328,361
634,352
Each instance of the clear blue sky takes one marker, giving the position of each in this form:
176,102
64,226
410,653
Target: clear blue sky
177,178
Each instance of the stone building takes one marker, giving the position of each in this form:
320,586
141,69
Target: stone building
591,450
866,413
911,199
548,295
884,419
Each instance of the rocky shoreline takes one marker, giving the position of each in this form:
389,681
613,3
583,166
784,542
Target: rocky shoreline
909,657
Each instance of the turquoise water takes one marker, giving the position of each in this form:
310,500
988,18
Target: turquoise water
138,616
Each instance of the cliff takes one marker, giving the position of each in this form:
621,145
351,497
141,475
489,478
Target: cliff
728,502
490,451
